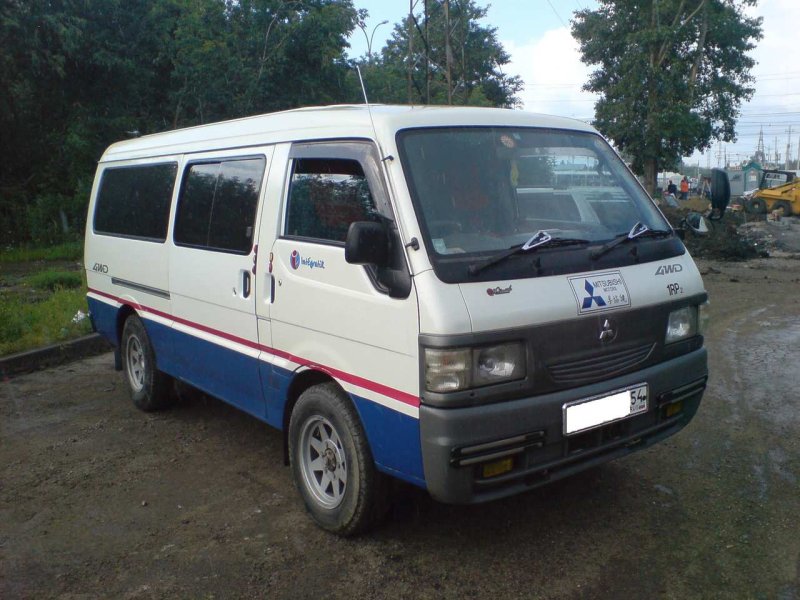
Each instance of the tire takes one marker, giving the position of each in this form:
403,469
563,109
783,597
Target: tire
332,464
786,206
756,206
149,388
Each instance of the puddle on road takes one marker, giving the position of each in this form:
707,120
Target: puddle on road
760,373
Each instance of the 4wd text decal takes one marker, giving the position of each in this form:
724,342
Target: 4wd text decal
668,269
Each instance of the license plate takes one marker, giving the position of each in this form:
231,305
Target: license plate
594,412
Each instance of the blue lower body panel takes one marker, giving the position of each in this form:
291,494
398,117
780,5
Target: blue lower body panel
394,440
261,390
226,374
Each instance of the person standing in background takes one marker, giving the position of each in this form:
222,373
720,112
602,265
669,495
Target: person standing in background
684,188
672,188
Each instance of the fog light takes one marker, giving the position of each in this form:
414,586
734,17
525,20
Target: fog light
673,409
497,467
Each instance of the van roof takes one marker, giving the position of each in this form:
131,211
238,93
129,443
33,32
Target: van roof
324,122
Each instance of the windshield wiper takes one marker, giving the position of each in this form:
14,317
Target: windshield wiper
638,230
539,239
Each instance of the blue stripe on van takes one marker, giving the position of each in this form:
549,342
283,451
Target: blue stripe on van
104,317
224,373
247,383
394,440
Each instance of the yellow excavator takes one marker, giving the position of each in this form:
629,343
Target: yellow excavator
784,197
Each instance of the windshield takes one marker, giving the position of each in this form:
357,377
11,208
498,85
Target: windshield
480,190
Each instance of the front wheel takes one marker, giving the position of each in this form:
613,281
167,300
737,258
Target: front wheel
332,464
149,388
756,206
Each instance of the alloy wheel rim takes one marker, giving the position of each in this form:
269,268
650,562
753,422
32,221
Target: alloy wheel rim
323,461
136,363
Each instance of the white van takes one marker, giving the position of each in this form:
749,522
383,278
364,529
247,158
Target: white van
475,301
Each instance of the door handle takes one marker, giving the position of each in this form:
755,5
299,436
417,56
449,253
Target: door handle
245,284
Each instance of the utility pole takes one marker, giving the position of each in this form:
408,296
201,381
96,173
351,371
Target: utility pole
760,156
777,154
410,72
427,56
788,147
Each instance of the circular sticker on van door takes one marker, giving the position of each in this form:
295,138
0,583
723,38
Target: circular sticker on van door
295,259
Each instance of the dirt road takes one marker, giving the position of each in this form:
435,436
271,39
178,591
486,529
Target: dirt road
100,500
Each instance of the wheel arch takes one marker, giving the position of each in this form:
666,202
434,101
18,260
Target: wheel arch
124,311
302,381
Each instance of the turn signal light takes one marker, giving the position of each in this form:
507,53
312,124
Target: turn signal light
497,467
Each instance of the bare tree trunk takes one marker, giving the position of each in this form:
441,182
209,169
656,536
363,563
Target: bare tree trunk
651,175
448,51
699,56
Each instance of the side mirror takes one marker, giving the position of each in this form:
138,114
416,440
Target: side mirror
696,223
367,243
720,192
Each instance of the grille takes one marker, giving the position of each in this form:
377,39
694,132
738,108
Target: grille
599,366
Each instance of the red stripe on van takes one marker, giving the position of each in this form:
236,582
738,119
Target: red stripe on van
367,384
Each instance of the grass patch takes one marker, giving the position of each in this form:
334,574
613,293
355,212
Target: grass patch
53,280
67,251
25,325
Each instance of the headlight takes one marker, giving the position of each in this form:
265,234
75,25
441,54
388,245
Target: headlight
453,370
682,324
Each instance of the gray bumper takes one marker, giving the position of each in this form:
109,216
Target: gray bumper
457,442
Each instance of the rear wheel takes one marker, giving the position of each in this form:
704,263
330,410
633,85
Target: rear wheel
332,464
783,205
149,388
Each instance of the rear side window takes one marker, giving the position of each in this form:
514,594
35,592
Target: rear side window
134,201
325,196
217,207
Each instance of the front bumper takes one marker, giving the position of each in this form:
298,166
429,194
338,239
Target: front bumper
457,442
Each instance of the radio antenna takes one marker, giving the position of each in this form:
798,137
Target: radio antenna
369,112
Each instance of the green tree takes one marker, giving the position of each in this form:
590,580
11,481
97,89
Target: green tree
672,74
472,75
80,74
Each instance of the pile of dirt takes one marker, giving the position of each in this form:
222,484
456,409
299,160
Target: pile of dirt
725,239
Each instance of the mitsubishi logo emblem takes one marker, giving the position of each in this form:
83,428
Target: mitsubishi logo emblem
587,302
609,331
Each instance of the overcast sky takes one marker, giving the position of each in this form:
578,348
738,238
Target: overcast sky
536,35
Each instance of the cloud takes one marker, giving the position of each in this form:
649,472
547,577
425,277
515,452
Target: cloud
553,73
776,103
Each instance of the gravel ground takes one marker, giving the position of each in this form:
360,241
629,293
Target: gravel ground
100,500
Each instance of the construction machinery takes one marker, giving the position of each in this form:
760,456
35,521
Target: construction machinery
784,197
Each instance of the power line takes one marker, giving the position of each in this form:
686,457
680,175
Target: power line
556,14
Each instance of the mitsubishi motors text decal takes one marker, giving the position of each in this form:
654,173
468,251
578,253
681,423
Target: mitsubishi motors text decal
600,291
